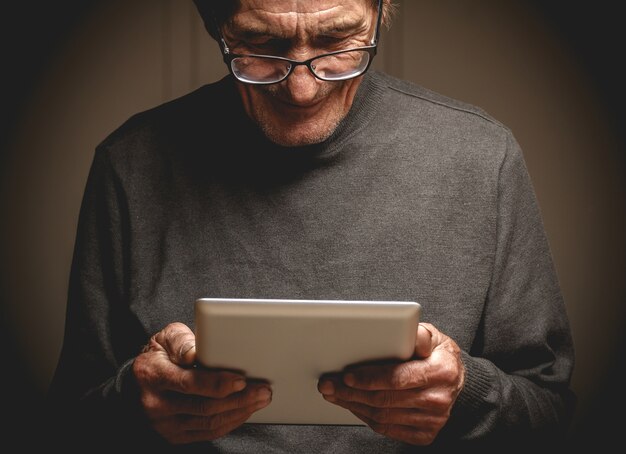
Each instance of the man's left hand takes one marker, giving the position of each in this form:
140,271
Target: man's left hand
408,401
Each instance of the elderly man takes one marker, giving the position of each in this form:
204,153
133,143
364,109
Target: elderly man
302,174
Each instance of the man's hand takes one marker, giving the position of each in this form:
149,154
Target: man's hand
408,401
187,404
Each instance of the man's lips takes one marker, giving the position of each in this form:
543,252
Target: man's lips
307,109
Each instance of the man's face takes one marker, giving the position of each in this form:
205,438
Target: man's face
302,109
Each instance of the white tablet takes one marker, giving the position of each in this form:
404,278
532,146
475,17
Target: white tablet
291,343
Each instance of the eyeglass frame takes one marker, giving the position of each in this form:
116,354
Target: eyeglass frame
371,50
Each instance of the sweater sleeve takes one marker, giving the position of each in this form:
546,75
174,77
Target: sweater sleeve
93,396
518,371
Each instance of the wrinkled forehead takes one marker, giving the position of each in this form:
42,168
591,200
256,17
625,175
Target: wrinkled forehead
286,15
299,6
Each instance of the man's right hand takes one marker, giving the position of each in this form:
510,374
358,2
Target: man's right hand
186,404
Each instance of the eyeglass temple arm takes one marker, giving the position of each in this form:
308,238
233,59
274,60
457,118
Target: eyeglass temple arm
218,31
378,22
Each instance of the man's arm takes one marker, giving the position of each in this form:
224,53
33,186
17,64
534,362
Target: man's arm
115,385
520,365
514,380
93,393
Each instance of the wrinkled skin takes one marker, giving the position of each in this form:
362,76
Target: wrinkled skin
409,401
187,404
301,110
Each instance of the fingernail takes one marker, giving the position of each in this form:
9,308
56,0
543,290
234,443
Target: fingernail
427,329
186,348
349,379
263,394
327,387
239,384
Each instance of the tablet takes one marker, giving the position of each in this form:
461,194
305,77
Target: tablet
291,343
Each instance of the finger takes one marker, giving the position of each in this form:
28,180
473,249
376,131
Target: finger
395,416
193,436
424,340
409,398
179,342
393,376
214,384
185,429
403,425
406,434
162,375
227,418
202,406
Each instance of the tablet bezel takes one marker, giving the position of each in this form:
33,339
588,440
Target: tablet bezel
291,342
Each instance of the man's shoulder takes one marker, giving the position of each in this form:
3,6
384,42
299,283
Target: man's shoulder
446,129
425,98
177,118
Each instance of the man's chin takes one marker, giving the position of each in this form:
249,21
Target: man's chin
294,136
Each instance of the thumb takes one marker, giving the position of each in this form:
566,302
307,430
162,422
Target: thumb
179,343
424,340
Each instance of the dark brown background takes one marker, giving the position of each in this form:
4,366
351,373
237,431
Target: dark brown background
551,70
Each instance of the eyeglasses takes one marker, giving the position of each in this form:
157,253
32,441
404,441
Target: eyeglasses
332,66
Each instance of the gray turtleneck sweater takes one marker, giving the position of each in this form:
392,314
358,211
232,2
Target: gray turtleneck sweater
414,197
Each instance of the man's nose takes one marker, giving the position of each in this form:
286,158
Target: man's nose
302,85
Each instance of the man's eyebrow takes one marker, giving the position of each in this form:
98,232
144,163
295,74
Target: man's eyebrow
250,33
344,25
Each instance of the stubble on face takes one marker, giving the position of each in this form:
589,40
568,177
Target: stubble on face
300,110
293,126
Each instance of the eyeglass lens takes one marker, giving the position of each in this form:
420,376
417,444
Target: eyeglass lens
340,66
